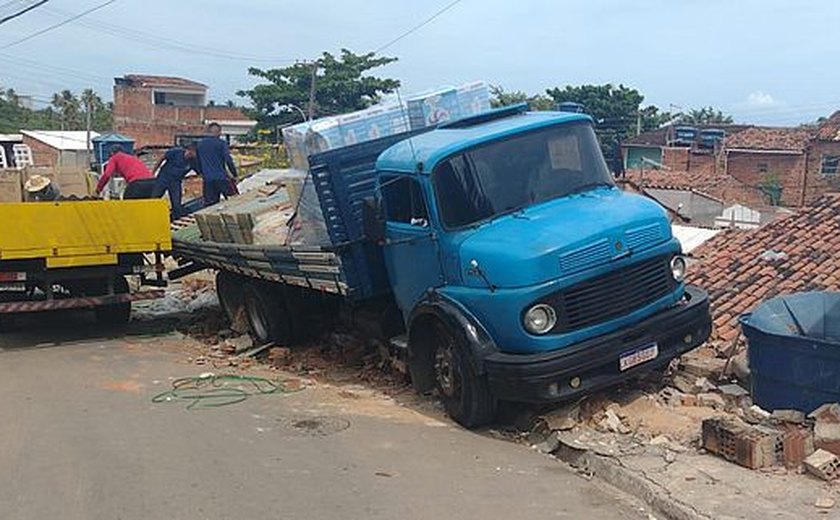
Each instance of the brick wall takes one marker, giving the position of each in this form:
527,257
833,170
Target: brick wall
42,154
817,184
788,169
675,158
148,124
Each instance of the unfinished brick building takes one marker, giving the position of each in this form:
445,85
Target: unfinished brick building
154,109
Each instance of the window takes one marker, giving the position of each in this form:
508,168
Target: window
404,202
507,175
830,165
762,167
160,98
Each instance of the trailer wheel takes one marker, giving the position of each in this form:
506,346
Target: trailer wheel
229,288
465,394
117,314
265,312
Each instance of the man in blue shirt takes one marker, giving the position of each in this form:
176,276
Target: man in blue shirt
171,169
213,155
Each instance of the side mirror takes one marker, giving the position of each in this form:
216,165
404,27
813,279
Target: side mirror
372,220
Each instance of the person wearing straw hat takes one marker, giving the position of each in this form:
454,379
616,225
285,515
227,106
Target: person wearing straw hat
141,181
40,189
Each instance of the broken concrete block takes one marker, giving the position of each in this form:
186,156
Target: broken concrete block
685,383
240,343
740,368
827,413
702,366
279,356
823,464
549,445
739,442
791,416
671,396
711,401
612,423
562,419
827,436
689,400
733,390
797,444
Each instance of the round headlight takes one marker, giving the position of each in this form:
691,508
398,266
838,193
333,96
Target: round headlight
678,268
540,319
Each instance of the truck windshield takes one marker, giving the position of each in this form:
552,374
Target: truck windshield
504,176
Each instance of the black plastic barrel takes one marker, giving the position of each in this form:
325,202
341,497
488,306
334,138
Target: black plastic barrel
794,351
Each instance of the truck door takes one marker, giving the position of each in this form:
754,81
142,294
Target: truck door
411,248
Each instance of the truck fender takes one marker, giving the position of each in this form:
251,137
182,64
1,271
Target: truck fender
461,321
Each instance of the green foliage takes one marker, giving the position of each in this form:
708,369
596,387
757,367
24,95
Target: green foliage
706,116
341,85
66,112
771,186
502,98
617,111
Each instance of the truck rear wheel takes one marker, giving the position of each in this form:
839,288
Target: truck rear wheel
229,288
465,394
116,314
265,312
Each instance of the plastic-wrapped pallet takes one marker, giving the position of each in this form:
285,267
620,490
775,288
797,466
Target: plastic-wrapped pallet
308,227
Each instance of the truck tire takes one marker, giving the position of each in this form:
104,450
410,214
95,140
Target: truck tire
229,288
118,314
465,394
264,309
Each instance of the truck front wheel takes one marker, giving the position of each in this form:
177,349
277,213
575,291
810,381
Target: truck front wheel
465,394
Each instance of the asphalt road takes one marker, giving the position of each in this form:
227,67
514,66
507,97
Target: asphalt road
81,439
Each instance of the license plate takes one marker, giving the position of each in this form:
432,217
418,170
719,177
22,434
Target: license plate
636,357
12,277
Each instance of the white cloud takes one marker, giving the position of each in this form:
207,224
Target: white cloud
760,99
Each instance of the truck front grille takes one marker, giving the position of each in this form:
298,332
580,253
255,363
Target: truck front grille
613,294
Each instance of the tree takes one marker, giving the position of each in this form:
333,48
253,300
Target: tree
502,98
69,110
341,84
101,112
706,116
617,111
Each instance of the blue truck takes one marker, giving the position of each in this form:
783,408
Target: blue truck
495,254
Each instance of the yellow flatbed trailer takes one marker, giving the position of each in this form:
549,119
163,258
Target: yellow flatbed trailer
77,254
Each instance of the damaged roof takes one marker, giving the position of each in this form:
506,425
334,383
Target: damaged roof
770,138
703,180
740,269
659,136
146,80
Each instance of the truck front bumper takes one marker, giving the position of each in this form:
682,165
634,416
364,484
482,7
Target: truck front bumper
594,364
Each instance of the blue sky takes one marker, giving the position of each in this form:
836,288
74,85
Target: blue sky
766,62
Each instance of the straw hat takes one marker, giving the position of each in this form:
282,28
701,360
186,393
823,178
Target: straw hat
36,183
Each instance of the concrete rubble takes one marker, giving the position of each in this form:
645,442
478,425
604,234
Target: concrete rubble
694,445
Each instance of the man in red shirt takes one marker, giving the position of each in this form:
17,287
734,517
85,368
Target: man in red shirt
141,181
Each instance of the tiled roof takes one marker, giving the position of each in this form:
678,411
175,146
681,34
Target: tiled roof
145,80
766,138
659,136
829,130
705,180
739,269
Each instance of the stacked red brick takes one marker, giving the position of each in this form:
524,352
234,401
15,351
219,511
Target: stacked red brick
742,268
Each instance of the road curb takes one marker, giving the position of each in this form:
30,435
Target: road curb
635,483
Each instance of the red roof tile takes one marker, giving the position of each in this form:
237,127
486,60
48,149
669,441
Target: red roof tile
767,138
741,268
829,130
717,185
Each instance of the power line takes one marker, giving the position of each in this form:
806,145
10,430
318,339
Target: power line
418,26
22,11
56,26
162,42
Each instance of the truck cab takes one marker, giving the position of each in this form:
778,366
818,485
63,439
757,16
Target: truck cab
520,270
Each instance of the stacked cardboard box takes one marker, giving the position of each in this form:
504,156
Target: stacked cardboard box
448,104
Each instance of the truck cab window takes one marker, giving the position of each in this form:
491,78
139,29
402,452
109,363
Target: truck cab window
404,202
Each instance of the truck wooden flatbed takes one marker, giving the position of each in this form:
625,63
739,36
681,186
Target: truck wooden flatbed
77,254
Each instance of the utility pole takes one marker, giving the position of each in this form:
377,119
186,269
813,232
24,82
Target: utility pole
311,108
88,106
639,121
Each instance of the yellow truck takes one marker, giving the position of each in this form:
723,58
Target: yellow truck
76,254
